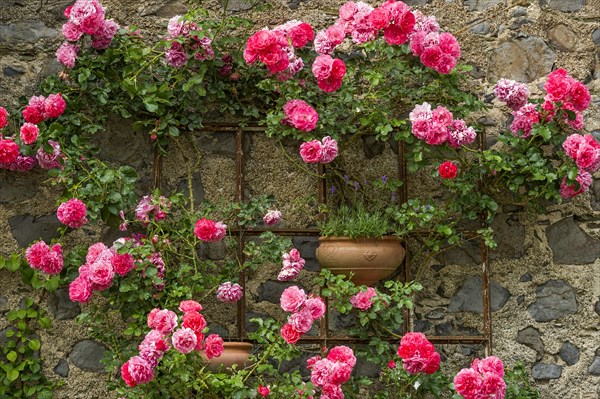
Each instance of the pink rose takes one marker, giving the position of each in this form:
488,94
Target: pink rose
194,320
153,347
67,54
490,364
468,383
272,217
72,213
205,229
322,66
329,150
189,306
321,372
94,251
430,57
329,85
363,300
213,346
342,354
335,34
301,320
588,158
162,320
49,161
88,15
71,32
292,299
263,391
300,115
3,117
29,133
229,293
311,151
184,340
301,34
395,35
348,10
9,151
493,384
316,307
580,96
289,334
136,371
340,373
123,263
80,290
42,257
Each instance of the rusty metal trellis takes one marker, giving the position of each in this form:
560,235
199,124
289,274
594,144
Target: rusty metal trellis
324,333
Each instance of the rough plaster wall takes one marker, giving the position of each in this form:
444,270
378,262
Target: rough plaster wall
553,256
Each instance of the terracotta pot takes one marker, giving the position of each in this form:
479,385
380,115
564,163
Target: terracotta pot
370,259
233,353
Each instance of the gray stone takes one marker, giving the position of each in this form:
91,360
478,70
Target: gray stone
61,306
62,368
543,371
242,5
27,228
469,296
18,188
518,11
216,250
372,147
121,144
436,314
338,321
271,290
171,9
524,60
570,244
594,189
25,32
563,37
481,29
87,354
520,299
596,37
569,353
530,337
421,325
297,363
253,326
365,368
479,5
417,2
518,23
509,235
554,300
597,307
468,254
307,245
526,278
11,70
4,305
444,329
563,5
215,328
221,143
594,368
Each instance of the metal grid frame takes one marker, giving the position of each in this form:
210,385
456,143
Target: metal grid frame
324,334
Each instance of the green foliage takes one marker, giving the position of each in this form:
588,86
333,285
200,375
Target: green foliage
20,364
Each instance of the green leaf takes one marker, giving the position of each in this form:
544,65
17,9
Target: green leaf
151,104
12,375
34,345
12,356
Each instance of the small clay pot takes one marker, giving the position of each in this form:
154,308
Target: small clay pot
233,353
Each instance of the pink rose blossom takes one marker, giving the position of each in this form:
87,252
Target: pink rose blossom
194,320
229,293
342,354
123,263
71,32
301,320
42,257
329,150
289,334
67,54
54,106
3,117
460,134
322,66
292,299
311,151
72,213
104,35
184,340
9,151
209,230
189,306
490,364
468,383
21,164
524,119
321,372
272,217
162,320
101,272
49,161
137,371
263,391
300,115
316,307
213,346
29,133
493,386
153,347
584,180
340,373
80,290
94,251
364,299
88,15
513,93
176,56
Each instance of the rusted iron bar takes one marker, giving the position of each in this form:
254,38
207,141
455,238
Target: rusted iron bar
239,194
448,340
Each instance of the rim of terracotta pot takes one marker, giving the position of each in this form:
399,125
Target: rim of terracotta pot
346,238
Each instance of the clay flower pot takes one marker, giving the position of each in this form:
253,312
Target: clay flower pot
233,353
370,259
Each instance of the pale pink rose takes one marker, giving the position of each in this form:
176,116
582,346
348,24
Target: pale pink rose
316,307
511,92
190,306
184,340
588,158
311,151
490,364
153,347
67,54
321,372
94,251
322,66
329,150
101,272
80,290
104,35
29,133
468,383
364,299
213,346
71,32
301,320
572,143
292,299
229,293
335,34
272,217
322,43
342,354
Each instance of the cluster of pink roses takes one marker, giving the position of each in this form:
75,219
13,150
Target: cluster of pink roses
275,48
585,151
186,36
300,115
210,231
439,51
72,213
485,379
512,93
363,300
418,354
189,337
149,206
292,265
99,270
305,310
41,108
229,292
85,17
438,126
331,372
316,151
42,257
329,72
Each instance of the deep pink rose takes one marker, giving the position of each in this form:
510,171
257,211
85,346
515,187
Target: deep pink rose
194,320
490,364
9,151
363,300
468,383
430,57
123,263
3,117
342,354
289,334
340,373
300,115
162,320
263,391
301,34
329,85
311,151
72,213
80,290
190,306
137,371
29,133
213,346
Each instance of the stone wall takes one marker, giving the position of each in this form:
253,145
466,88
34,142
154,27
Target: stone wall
545,273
